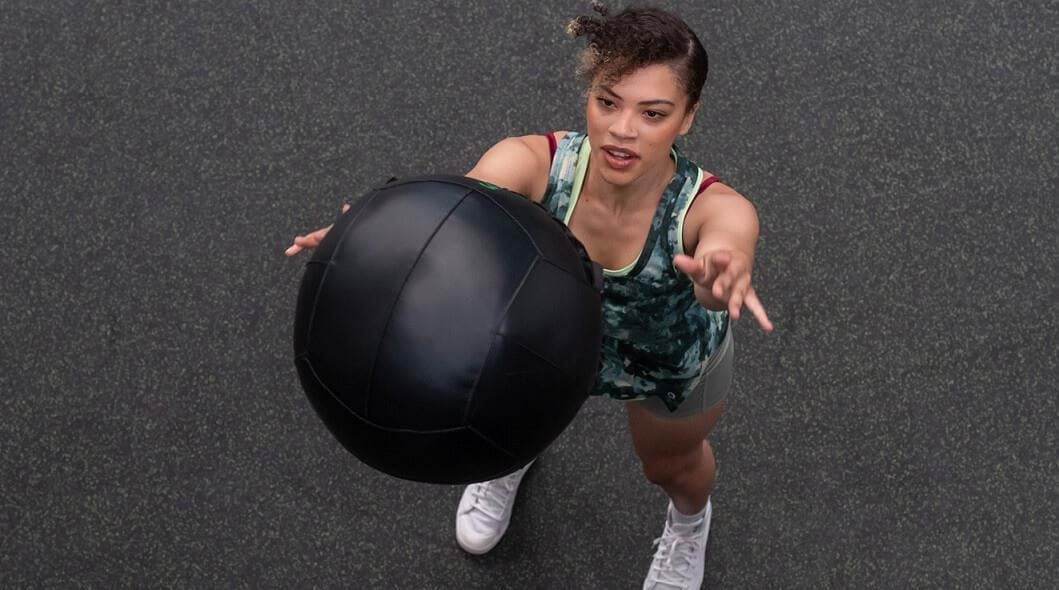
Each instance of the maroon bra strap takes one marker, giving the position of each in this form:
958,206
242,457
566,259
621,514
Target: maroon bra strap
552,146
706,183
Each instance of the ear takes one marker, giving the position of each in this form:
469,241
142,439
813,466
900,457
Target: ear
689,118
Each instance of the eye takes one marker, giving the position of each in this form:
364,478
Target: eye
654,114
606,103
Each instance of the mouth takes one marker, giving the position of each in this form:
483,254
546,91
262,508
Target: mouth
620,153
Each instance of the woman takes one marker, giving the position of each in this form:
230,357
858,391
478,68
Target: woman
677,247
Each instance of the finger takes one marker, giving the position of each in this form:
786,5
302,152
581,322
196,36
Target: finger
293,250
754,305
690,266
317,236
720,258
735,302
709,271
345,207
719,262
724,282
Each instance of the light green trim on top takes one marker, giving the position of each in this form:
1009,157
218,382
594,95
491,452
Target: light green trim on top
684,213
621,271
579,179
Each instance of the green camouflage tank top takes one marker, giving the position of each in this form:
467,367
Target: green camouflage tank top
656,335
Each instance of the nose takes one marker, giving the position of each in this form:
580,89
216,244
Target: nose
623,126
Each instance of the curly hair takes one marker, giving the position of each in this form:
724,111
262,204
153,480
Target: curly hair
638,37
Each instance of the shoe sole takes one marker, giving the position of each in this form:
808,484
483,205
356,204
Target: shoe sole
479,550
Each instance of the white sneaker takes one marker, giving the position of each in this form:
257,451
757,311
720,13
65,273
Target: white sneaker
485,512
680,560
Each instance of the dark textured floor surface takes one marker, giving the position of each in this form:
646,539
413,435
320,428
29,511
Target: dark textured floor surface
897,430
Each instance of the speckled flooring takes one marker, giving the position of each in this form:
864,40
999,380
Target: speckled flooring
897,430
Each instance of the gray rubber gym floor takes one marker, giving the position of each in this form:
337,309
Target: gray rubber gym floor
897,430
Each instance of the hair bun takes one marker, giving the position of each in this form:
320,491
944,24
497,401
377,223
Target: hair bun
575,28
582,25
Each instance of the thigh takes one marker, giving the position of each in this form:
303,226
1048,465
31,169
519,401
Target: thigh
652,435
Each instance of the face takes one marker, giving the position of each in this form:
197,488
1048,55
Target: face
633,122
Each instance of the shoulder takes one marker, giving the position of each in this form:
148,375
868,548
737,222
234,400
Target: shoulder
717,195
718,199
519,163
718,203
539,145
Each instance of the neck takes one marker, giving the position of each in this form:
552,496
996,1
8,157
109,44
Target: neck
642,192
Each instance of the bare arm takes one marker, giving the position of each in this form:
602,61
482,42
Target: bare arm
517,164
724,256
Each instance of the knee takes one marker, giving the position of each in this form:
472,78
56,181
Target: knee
667,469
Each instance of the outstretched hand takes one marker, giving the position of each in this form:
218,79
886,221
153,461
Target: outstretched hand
311,240
723,277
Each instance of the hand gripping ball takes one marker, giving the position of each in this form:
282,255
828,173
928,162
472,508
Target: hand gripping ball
446,330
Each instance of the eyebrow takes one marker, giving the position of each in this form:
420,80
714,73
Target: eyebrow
642,102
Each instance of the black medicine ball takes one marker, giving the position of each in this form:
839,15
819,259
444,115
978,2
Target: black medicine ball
447,331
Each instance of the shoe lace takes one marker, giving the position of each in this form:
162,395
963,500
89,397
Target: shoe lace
490,497
677,549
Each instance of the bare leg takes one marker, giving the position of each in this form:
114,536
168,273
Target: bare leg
675,454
